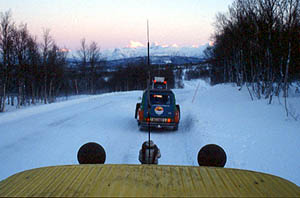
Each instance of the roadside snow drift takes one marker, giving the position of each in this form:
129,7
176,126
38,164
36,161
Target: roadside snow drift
255,136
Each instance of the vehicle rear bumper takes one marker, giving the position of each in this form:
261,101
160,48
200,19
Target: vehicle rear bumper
158,124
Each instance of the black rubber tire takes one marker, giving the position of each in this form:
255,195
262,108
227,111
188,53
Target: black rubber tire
138,105
175,128
142,128
178,108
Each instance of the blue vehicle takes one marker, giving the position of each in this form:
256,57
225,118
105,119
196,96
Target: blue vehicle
159,111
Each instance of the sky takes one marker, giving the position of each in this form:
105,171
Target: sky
119,23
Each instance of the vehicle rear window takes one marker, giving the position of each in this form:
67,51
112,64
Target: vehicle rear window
160,86
160,99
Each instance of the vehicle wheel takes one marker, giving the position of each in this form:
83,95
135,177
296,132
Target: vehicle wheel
175,127
178,108
136,109
141,128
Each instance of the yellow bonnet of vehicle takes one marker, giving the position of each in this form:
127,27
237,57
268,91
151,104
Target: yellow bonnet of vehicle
145,181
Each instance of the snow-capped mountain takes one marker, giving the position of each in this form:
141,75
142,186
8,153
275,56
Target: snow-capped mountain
155,50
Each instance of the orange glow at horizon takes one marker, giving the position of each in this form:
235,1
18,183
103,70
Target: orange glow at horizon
65,50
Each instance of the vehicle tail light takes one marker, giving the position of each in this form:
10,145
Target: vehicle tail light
141,115
169,120
177,116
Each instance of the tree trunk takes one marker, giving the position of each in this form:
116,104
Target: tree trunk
19,96
50,93
76,87
45,90
12,100
2,103
271,90
286,79
32,94
23,94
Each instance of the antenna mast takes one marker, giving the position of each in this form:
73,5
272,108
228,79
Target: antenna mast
148,45
148,90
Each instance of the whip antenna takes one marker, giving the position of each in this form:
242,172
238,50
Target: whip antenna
148,89
148,45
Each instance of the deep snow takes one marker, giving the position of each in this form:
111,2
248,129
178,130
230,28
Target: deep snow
255,136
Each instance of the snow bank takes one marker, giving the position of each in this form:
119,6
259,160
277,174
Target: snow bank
256,136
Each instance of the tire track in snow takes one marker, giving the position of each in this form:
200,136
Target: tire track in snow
62,121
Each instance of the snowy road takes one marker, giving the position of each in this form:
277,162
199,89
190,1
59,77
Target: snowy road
54,135
252,134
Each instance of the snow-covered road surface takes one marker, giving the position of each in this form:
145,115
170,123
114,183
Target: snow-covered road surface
255,136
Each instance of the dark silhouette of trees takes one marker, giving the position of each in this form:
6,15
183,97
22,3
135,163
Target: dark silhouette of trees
257,44
89,61
83,64
94,58
33,72
29,71
134,76
6,49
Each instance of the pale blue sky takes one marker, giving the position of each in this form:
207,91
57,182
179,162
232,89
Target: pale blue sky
114,23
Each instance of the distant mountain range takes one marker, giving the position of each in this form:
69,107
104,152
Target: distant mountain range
159,55
155,60
155,50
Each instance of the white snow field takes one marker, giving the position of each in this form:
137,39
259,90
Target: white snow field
256,136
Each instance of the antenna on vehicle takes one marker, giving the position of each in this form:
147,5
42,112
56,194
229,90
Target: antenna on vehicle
148,45
148,90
